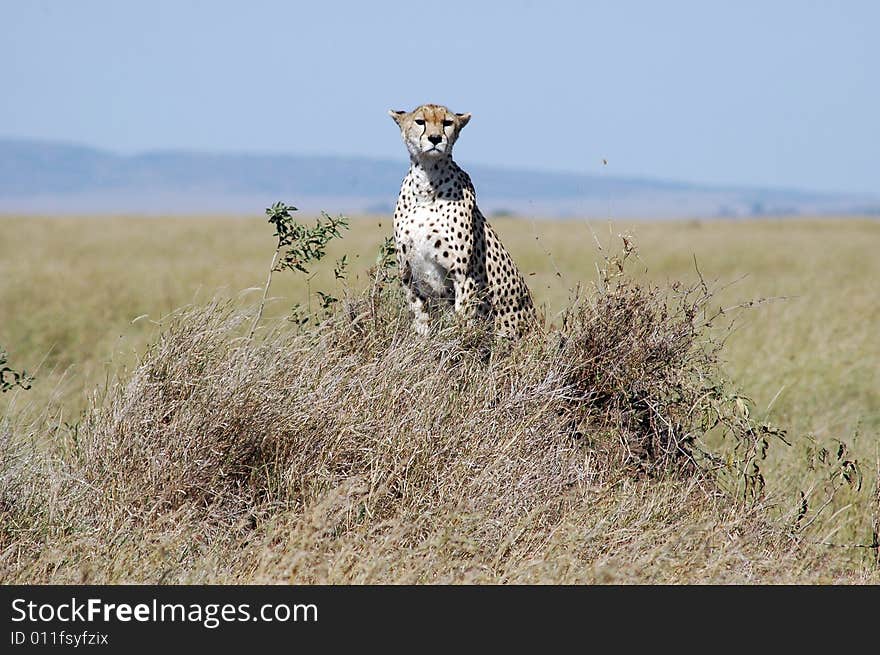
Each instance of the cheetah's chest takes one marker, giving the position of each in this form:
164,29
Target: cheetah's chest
421,238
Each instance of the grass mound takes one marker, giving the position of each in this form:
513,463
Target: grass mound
356,451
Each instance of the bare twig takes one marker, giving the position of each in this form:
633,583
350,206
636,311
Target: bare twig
265,293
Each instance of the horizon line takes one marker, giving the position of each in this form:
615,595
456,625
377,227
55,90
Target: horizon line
183,150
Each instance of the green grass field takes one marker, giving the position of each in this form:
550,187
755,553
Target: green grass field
81,297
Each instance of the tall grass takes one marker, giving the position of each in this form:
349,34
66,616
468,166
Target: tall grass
607,448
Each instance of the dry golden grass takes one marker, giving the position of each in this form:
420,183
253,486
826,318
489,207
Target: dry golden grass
209,461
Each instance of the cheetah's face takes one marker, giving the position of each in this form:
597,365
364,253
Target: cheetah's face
429,131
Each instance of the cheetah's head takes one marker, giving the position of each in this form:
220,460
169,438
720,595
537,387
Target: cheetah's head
429,131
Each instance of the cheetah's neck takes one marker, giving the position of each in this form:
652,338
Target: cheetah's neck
428,177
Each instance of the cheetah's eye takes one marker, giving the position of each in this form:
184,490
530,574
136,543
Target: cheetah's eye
447,123
420,121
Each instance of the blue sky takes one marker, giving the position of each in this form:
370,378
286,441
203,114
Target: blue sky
774,93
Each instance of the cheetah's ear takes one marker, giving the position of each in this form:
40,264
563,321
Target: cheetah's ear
397,115
463,120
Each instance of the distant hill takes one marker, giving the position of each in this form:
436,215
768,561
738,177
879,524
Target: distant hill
44,177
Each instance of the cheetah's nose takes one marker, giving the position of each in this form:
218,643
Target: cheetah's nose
435,139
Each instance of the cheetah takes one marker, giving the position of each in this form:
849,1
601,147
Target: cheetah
447,253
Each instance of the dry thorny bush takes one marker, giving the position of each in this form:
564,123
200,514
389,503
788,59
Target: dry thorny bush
358,451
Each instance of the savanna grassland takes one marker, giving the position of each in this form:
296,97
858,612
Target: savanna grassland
159,444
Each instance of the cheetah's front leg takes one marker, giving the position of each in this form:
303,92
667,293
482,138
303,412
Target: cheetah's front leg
420,312
468,303
415,300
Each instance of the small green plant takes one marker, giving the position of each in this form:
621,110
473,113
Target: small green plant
386,259
298,247
10,378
